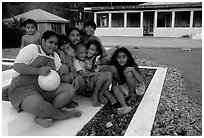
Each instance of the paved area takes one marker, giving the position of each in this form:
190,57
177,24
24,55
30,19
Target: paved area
152,42
168,51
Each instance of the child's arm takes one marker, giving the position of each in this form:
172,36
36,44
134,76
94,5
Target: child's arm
64,69
86,74
104,60
135,73
23,43
61,55
72,69
23,68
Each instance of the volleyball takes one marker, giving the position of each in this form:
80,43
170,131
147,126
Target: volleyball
50,82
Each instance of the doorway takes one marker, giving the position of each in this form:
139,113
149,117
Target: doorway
148,23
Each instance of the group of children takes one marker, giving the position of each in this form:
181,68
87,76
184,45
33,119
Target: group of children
114,80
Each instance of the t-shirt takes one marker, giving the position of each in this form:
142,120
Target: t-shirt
29,53
79,65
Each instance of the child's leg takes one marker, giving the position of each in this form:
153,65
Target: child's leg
119,95
67,78
95,94
44,110
64,95
113,70
108,80
110,97
131,82
82,85
121,99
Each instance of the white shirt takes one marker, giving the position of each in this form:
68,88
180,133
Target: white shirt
79,65
29,53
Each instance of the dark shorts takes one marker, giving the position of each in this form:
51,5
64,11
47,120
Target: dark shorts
18,95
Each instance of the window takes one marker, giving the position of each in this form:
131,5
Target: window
133,19
164,19
56,27
117,20
102,20
197,19
182,19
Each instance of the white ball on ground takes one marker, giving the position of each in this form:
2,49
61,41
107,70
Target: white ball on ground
50,82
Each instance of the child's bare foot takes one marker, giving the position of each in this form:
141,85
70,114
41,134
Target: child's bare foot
43,122
141,89
103,99
124,110
95,102
72,113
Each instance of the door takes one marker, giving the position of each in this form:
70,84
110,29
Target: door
148,23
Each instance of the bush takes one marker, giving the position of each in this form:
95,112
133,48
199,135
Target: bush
11,34
11,38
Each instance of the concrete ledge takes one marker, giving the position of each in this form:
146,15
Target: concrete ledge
23,123
142,121
15,124
7,77
13,121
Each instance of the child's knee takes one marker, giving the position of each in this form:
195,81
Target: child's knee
128,74
32,103
69,89
113,68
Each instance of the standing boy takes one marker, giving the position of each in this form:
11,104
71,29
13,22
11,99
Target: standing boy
32,36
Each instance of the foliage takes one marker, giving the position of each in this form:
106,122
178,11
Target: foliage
14,32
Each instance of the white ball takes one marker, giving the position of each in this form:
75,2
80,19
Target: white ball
50,82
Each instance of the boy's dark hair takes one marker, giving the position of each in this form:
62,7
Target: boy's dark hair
71,29
90,23
79,45
30,21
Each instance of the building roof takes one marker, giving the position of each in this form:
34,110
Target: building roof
39,16
148,6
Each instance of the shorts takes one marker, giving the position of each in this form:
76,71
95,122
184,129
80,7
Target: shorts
17,96
124,88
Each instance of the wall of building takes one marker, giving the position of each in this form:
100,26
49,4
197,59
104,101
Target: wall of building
42,28
157,31
119,32
63,28
176,32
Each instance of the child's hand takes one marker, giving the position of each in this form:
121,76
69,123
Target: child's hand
45,70
63,69
128,69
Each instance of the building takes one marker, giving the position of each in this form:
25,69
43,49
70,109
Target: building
45,20
156,19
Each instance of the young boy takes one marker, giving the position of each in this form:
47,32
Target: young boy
94,80
31,36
